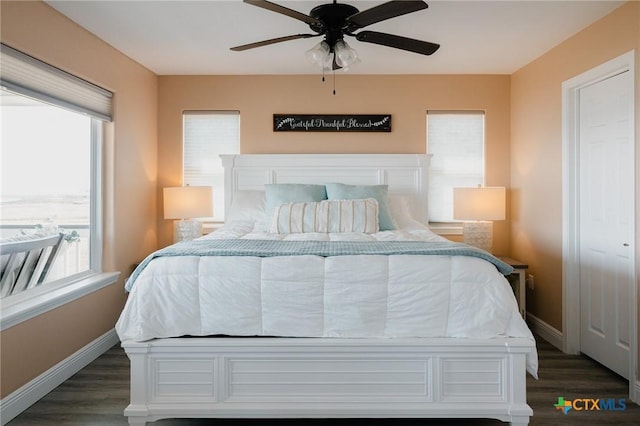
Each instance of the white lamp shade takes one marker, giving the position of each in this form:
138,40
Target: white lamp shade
482,203
186,202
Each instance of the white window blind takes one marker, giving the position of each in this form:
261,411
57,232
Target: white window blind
456,140
207,135
28,76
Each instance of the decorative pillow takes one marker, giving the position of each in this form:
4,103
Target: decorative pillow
282,193
341,191
326,216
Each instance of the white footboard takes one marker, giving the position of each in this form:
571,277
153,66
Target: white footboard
340,378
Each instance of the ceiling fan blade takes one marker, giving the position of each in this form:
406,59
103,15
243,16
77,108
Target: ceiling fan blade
398,42
383,12
284,11
271,41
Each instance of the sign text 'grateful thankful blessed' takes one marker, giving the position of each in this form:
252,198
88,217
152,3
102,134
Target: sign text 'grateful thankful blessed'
331,123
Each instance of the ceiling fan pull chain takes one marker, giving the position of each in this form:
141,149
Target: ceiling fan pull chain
334,82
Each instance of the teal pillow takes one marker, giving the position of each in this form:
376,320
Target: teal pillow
282,193
341,191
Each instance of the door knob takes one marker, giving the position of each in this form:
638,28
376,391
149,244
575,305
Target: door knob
625,244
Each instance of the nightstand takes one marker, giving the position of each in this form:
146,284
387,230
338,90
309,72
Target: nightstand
518,280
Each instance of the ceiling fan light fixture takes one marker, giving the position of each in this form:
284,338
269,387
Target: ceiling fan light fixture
319,54
345,54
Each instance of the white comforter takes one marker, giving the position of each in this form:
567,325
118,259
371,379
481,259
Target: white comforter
342,296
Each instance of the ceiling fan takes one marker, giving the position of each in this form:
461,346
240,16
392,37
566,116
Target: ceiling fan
335,20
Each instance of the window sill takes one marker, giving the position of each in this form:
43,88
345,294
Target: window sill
24,306
446,228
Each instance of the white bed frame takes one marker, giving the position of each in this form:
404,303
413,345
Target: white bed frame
263,377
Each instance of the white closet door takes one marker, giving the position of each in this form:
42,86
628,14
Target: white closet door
606,219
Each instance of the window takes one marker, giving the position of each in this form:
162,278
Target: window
46,178
51,133
456,140
207,135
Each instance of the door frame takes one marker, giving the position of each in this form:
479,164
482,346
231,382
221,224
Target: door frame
570,212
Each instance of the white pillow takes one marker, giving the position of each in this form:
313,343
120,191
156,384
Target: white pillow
326,216
400,209
247,206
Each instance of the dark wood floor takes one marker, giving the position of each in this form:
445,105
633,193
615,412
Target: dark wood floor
98,394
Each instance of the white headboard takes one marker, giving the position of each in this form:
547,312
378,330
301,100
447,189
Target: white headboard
405,174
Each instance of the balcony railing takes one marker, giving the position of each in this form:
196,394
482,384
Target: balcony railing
73,256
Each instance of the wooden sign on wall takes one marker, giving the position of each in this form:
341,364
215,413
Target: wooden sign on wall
331,123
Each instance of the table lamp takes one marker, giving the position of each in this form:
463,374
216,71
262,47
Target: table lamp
183,203
479,207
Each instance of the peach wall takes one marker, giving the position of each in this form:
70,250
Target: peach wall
536,149
130,170
406,97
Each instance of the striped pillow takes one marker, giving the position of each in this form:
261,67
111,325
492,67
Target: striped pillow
326,216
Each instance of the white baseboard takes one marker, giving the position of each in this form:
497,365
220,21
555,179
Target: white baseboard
635,396
544,330
30,393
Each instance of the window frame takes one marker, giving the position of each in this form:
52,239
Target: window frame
23,306
31,303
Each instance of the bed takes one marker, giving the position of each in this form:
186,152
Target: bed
345,306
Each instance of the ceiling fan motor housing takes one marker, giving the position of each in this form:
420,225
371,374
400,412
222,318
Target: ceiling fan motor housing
334,17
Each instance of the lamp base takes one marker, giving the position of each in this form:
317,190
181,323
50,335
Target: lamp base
478,234
186,230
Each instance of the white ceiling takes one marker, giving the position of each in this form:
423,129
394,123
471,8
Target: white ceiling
194,37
